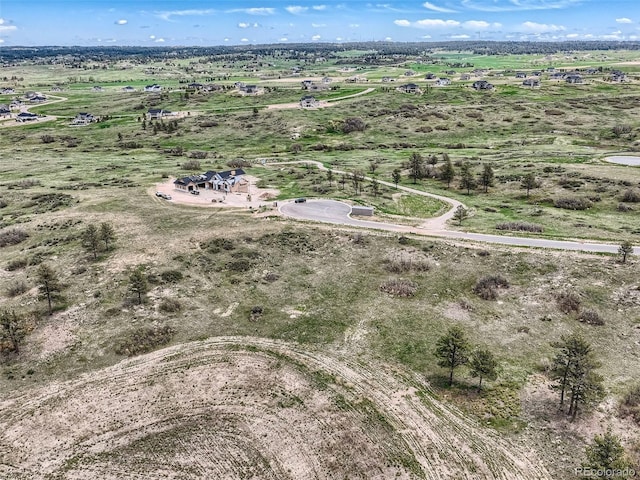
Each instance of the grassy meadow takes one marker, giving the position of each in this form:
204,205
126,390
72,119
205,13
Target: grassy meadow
215,271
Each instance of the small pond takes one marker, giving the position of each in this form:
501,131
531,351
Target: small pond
624,160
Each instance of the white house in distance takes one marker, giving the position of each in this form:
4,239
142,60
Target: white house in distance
83,118
309,101
157,113
128,89
153,88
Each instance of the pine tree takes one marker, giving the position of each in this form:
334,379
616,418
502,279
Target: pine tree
466,178
447,172
107,234
487,177
91,240
416,165
460,214
396,177
483,364
48,283
529,182
452,350
12,329
625,250
606,453
138,284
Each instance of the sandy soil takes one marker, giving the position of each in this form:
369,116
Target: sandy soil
260,197
240,407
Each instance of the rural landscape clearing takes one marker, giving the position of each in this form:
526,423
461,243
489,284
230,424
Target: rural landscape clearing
320,262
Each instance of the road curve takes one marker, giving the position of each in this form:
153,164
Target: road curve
339,213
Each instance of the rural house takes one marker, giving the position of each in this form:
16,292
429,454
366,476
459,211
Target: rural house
309,101
409,88
5,111
531,82
157,113
83,118
26,117
482,85
97,88
128,89
227,181
153,88
573,78
441,82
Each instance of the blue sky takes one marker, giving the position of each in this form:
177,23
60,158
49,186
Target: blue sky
201,23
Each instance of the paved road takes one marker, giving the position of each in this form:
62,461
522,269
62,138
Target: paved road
339,213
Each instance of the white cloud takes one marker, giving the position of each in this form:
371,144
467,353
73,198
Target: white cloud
338,39
354,25
152,37
166,15
318,25
542,27
426,36
244,39
476,24
284,39
6,28
296,9
624,20
402,23
315,38
244,25
573,35
319,7
254,11
388,39
435,8
518,5
1,40
122,22
227,39
160,40
436,23
459,37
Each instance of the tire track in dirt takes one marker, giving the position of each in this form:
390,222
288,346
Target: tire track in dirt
235,407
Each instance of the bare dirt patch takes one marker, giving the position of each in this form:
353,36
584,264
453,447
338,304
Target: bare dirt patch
247,408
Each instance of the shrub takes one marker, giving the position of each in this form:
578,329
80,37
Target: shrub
271,277
402,262
238,265
568,302
399,288
170,305
238,163
353,124
215,245
520,227
17,264
591,317
17,288
630,404
199,154
256,313
572,203
619,130
144,339
47,139
12,236
487,287
171,276
191,165
631,195
623,207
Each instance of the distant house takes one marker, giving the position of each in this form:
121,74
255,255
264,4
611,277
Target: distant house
573,78
212,87
309,101
7,91
388,79
83,118
306,84
249,89
195,86
38,99
227,181
465,76
441,82
153,88
521,75
128,89
409,73
482,85
157,113
97,88
531,82
56,88
5,111
26,117
409,88
429,76
617,76
326,80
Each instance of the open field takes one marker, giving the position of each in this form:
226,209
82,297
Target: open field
271,348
